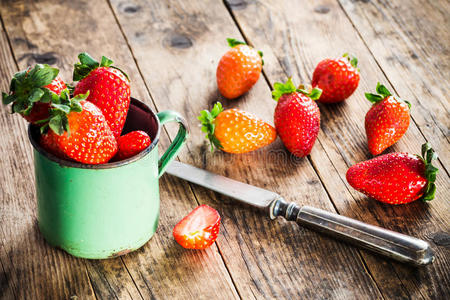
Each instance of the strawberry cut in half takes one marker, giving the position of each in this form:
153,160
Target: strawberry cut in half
199,229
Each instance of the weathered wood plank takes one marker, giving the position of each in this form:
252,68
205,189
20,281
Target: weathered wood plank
30,268
294,37
177,46
33,28
411,43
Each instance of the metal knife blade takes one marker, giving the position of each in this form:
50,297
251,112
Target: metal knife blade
391,244
243,192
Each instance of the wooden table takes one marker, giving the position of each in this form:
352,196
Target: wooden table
171,49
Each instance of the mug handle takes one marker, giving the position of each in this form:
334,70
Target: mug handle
183,131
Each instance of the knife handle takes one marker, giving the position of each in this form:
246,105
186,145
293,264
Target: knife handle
391,244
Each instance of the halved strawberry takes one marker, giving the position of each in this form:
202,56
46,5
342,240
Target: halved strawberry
199,229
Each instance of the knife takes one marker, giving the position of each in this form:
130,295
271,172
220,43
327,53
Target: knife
388,243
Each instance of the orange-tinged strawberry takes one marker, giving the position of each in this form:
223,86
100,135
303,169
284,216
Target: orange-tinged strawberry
32,91
132,143
396,178
234,130
238,70
109,89
199,229
386,121
77,130
296,117
337,78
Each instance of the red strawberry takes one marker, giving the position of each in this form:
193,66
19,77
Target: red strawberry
386,121
297,117
30,92
396,178
199,229
235,131
238,70
337,78
56,86
132,143
78,130
109,89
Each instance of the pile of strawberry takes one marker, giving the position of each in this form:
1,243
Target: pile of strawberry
84,127
394,178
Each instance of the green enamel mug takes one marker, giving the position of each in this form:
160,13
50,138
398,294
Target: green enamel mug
102,211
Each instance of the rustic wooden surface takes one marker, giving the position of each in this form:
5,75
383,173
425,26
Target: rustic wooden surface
171,50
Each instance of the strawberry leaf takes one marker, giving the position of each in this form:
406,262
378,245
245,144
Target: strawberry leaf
352,59
36,95
206,119
233,42
373,97
279,89
27,88
106,62
409,104
428,155
261,54
314,94
88,60
382,93
7,99
61,107
42,75
382,90
84,67
56,125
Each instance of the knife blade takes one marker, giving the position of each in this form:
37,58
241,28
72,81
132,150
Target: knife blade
388,243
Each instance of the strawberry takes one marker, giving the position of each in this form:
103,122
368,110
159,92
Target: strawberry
297,117
31,92
109,89
77,130
386,121
199,229
132,143
337,78
239,69
234,130
396,178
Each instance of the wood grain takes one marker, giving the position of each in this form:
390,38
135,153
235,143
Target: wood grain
265,260
292,50
33,28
